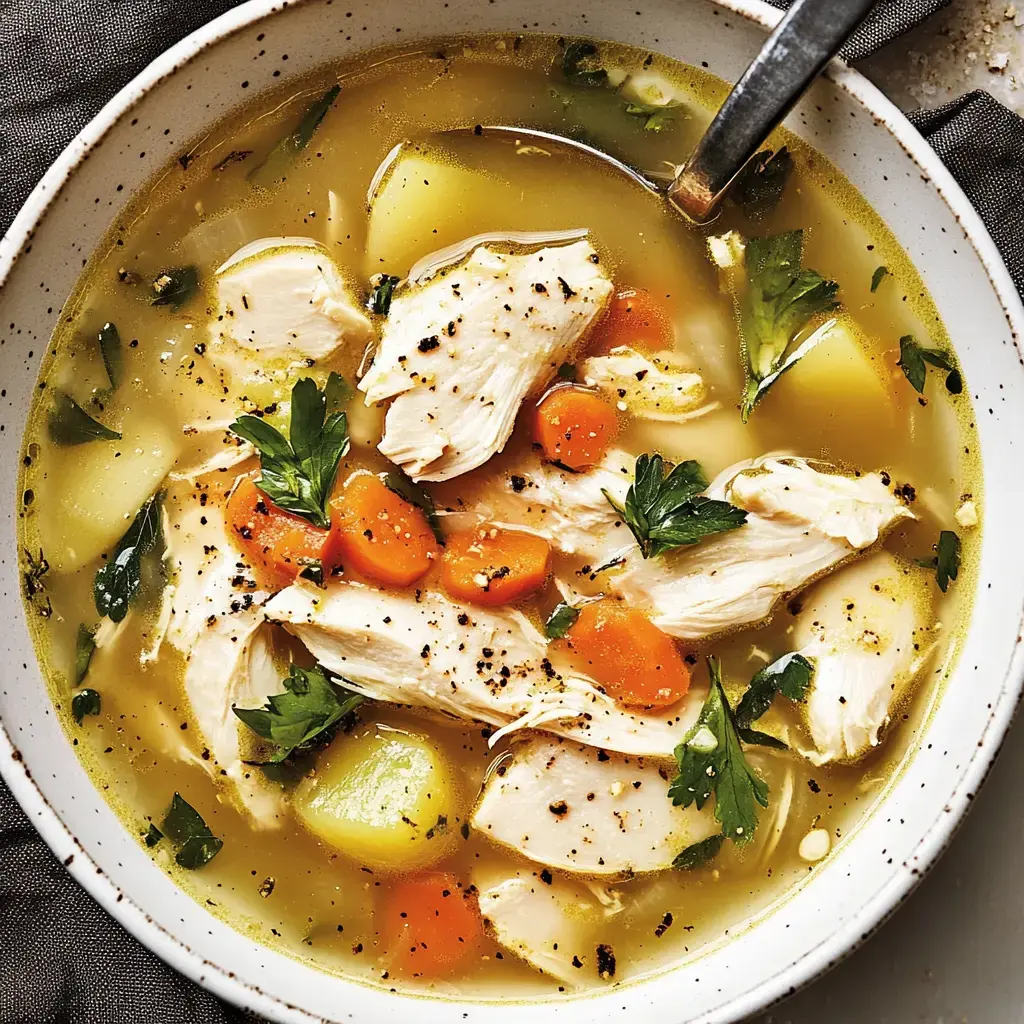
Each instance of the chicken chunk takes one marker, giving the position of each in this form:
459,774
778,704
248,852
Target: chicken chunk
461,352
803,522
578,809
488,666
282,301
866,631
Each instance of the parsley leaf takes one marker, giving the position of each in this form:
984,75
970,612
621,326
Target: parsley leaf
699,854
86,702
913,358
298,471
560,621
656,117
117,580
85,644
711,760
581,66
381,294
416,495
306,714
153,835
876,277
665,512
70,424
275,167
759,186
185,827
790,675
946,561
175,287
110,350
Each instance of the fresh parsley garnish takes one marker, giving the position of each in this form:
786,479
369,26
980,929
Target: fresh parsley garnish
759,186
711,760
665,512
560,621
699,854
306,715
656,118
382,291
275,167
779,299
85,702
110,350
185,827
913,360
153,835
70,424
946,560
581,64
413,493
175,287
298,471
85,644
567,371
790,675
876,277
118,580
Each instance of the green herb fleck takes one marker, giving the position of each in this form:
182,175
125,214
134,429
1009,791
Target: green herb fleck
275,167
153,835
85,644
665,512
699,854
117,580
85,702
110,350
412,492
382,291
913,358
560,621
946,561
790,675
305,716
759,186
185,827
70,424
656,118
175,287
876,277
567,372
298,471
581,65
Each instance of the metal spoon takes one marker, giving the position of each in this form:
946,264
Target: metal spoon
806,39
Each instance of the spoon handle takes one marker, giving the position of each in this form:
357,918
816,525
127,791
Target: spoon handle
806,39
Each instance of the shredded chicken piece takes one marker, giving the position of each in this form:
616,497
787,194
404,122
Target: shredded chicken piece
654,387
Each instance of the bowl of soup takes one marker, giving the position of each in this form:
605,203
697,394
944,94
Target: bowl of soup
441,582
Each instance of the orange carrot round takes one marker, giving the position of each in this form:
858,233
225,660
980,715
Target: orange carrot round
430,923
628,655
378,533
279,545
490,566
636,319
574,426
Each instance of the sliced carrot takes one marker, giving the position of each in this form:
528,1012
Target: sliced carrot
574,426
636,319
278,544
430,923
488,565
628,655
379,534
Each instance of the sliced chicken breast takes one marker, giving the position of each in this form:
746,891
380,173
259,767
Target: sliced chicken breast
578,809
867,632
460,353
803,522
490,666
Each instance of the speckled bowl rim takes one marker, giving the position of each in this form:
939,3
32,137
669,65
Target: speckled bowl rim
877,907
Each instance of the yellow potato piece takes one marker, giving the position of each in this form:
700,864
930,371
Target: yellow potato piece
385,798
93,490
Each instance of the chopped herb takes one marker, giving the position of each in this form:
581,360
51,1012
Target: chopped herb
699,854
711,760
153,835
656,118
913,358
560,621
337,393
33,575
413,493
275,166
567,372
667,512
175,287
790,675
876,277
117,580
85,644
381,293
70,424
314,572
780,298
185,827
581,65
307,714
234,157
298,471
946,562
85,702
759,186
110,349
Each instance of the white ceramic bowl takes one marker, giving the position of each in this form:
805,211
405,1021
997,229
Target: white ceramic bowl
203,78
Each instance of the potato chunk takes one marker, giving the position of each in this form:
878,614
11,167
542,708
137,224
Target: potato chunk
384,797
